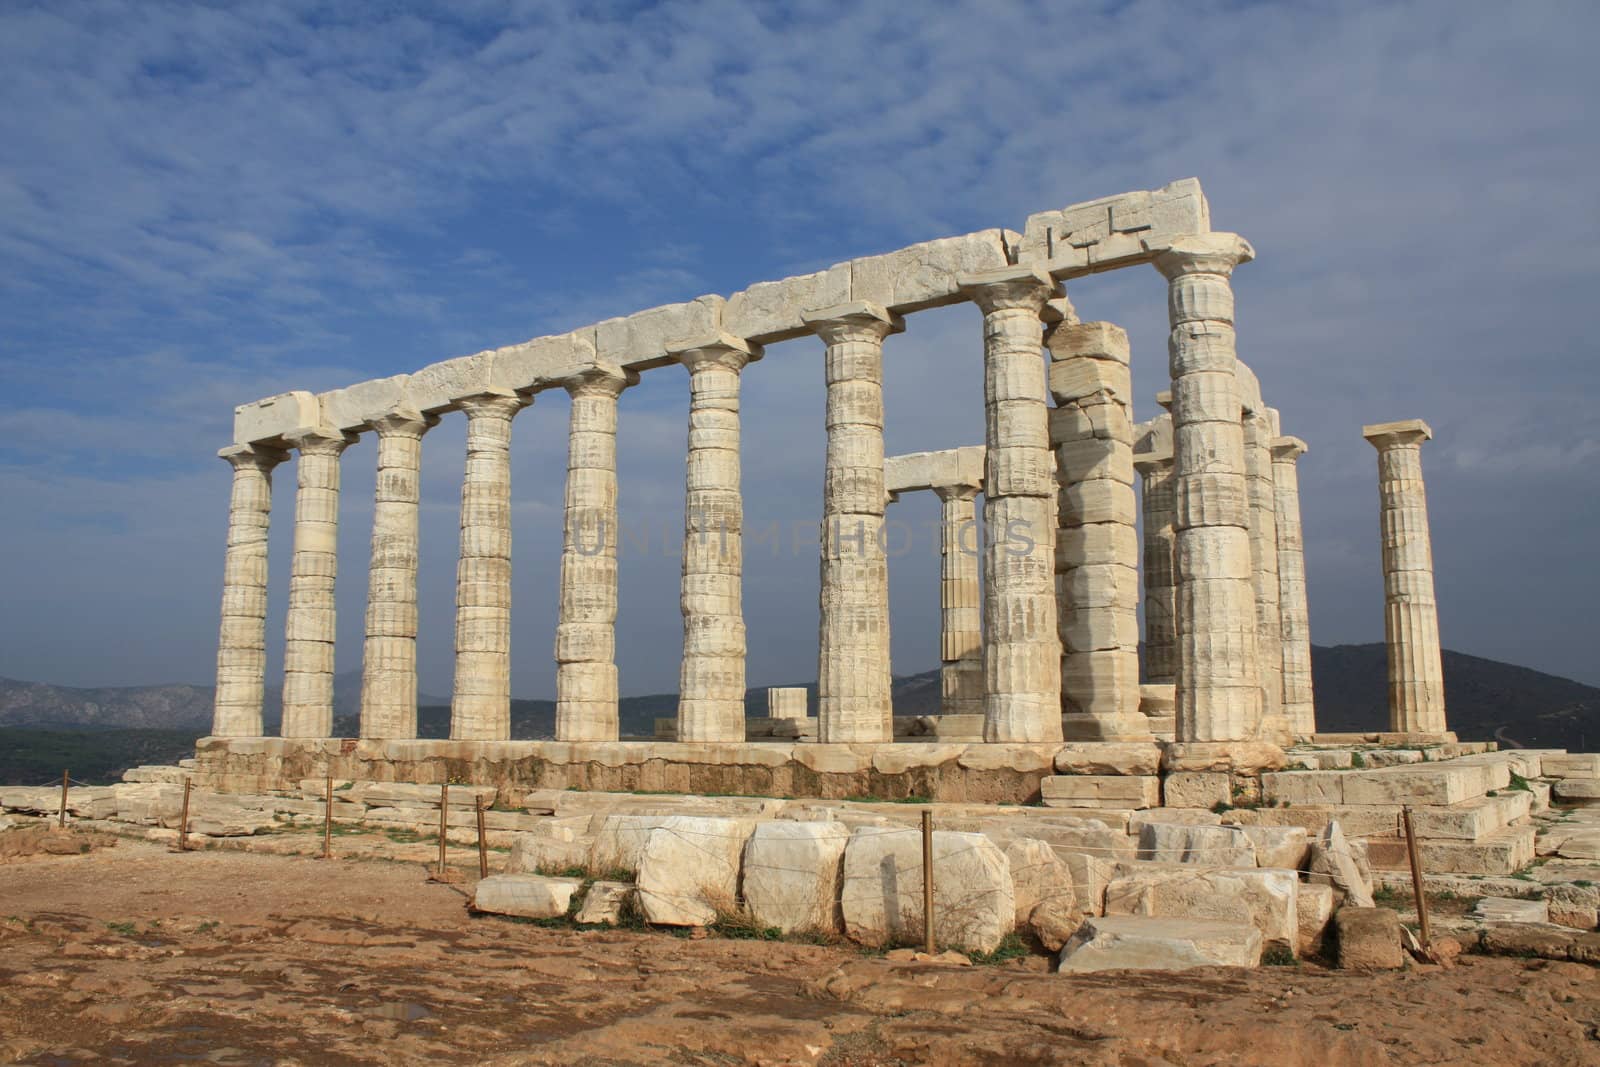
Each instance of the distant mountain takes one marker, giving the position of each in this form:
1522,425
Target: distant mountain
1483,696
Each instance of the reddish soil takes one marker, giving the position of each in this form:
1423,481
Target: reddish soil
138,955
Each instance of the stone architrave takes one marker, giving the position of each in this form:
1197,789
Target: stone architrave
1218,686
1299,704
960,609
1411,616
586,628
480,701
1154,464
310,624
389,653
853,679
1097,556
1022,649
1258,436
711,677
242,642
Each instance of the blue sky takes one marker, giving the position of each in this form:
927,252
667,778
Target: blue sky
205,204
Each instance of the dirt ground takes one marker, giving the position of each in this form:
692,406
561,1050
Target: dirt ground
133,954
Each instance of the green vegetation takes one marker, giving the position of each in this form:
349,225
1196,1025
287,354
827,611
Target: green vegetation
1010,948
1278,956
1357,760
97,757
1519,783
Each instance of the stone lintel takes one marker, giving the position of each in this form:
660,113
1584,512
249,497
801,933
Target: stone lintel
1405,432
1288,448
951,467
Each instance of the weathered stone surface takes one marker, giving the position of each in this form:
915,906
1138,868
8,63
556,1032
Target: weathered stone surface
529,896
1279,846
792,873
1334,862
1578,790
1141,943
269,421
1097,790
1265,898
1045,898
974,902
1511,910
542,853
1571,765
605,903
689,870
1216,846
1314,911
1109,758
1196,789
1368,938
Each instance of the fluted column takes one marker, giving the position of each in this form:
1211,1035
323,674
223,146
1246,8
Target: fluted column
389,653
960,610
1258,435
853,679
1022,648
586,630
242,642
1160,636
1218,680
1299,705
1097,558
1411,616
310,625
711,678
480,702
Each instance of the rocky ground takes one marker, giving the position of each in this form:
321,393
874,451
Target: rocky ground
134,954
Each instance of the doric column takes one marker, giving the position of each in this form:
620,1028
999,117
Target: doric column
1411,616
1097,553
242,642
389,653
1154,465
1022,649
1298,702
853,681
1258,435
960,611
310,624
1218,680
586,629
480,702
711,597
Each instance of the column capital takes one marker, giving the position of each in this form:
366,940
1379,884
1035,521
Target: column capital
1164,398
403,422
503,403
859,320
1009,288
602,379
957,491
1204,253
320,440
715,350
257,457
1387,435
1288,449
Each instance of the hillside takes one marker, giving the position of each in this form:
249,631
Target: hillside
1483,696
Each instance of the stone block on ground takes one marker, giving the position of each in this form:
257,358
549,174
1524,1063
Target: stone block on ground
1314,910
881,898
1334,862
1582,791
1511,910
1265,899
1279,846
1100,791
532,853
1368,938
1140,943
605,903
529,896
1196,789
689,869
1046,903
1570,765
791,875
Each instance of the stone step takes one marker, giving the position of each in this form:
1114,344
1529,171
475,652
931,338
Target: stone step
1501,853
1580,791
1571,765
1114,791
1432,783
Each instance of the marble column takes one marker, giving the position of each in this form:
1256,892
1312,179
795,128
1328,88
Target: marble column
1258,436
1022,648
586,628
242,642
1411,616
389,653
1298,701
1218,684
480,701
853,679
960,609
1156,488
310,624
1097,561
711,678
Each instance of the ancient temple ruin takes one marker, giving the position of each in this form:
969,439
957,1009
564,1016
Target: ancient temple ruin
1041,638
